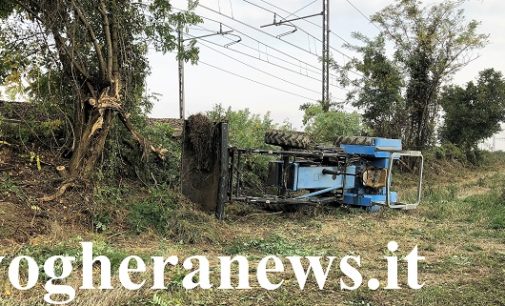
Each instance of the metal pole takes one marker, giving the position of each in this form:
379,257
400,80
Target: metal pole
181,74
181,40
326,54
328,51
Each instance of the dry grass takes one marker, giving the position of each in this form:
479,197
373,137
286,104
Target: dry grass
455,230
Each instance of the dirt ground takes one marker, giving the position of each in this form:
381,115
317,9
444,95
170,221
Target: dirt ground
460,229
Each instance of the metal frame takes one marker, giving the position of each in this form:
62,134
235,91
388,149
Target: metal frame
396,156
308,199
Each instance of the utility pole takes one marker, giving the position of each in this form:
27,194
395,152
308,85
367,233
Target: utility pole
325,92
180,53
326,54
180,56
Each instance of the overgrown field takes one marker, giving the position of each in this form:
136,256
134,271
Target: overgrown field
460,229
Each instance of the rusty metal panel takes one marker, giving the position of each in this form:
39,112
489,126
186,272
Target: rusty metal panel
204,169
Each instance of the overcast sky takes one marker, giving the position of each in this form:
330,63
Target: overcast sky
206,86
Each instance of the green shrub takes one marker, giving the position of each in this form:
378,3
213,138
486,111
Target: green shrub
171,216
124,159
107,202
247,130
488,158
167,171
452,152
448,152
325,127
153,211
38,123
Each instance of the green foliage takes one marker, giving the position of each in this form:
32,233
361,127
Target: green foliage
6,9
399,90
466,156
107,202
76,57
159,301
166,171
154,211
124,159
247,130
449,151
380,95
165,212
324,127
475,112
40,125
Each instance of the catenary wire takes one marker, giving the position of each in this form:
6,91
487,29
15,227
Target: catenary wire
266,61
255,68
257,82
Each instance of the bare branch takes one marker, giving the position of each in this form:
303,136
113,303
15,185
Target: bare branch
108,39
92,34
63,52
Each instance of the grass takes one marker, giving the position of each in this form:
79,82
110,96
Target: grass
159,209
9,188
273,244
459,228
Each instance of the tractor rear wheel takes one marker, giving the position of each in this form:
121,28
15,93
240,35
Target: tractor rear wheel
288,139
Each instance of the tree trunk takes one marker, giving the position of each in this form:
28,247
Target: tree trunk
90,143
91,134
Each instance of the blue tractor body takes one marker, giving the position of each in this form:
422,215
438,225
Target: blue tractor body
354,171
320,180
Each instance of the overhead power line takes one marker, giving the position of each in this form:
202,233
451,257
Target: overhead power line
266,61
301,9
257,82
303,30
363,14
268,55
297,59
263,60
308,21
258,30
257,69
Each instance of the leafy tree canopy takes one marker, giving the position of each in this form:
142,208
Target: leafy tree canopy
89,60
429,45
326,126
474,112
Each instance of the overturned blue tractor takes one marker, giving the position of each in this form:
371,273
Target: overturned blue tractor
354,171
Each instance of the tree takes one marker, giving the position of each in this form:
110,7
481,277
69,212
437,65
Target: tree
429,45
473,113
247,130
380,93
94,54
325,126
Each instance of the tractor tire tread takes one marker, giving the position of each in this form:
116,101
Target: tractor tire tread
289,139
